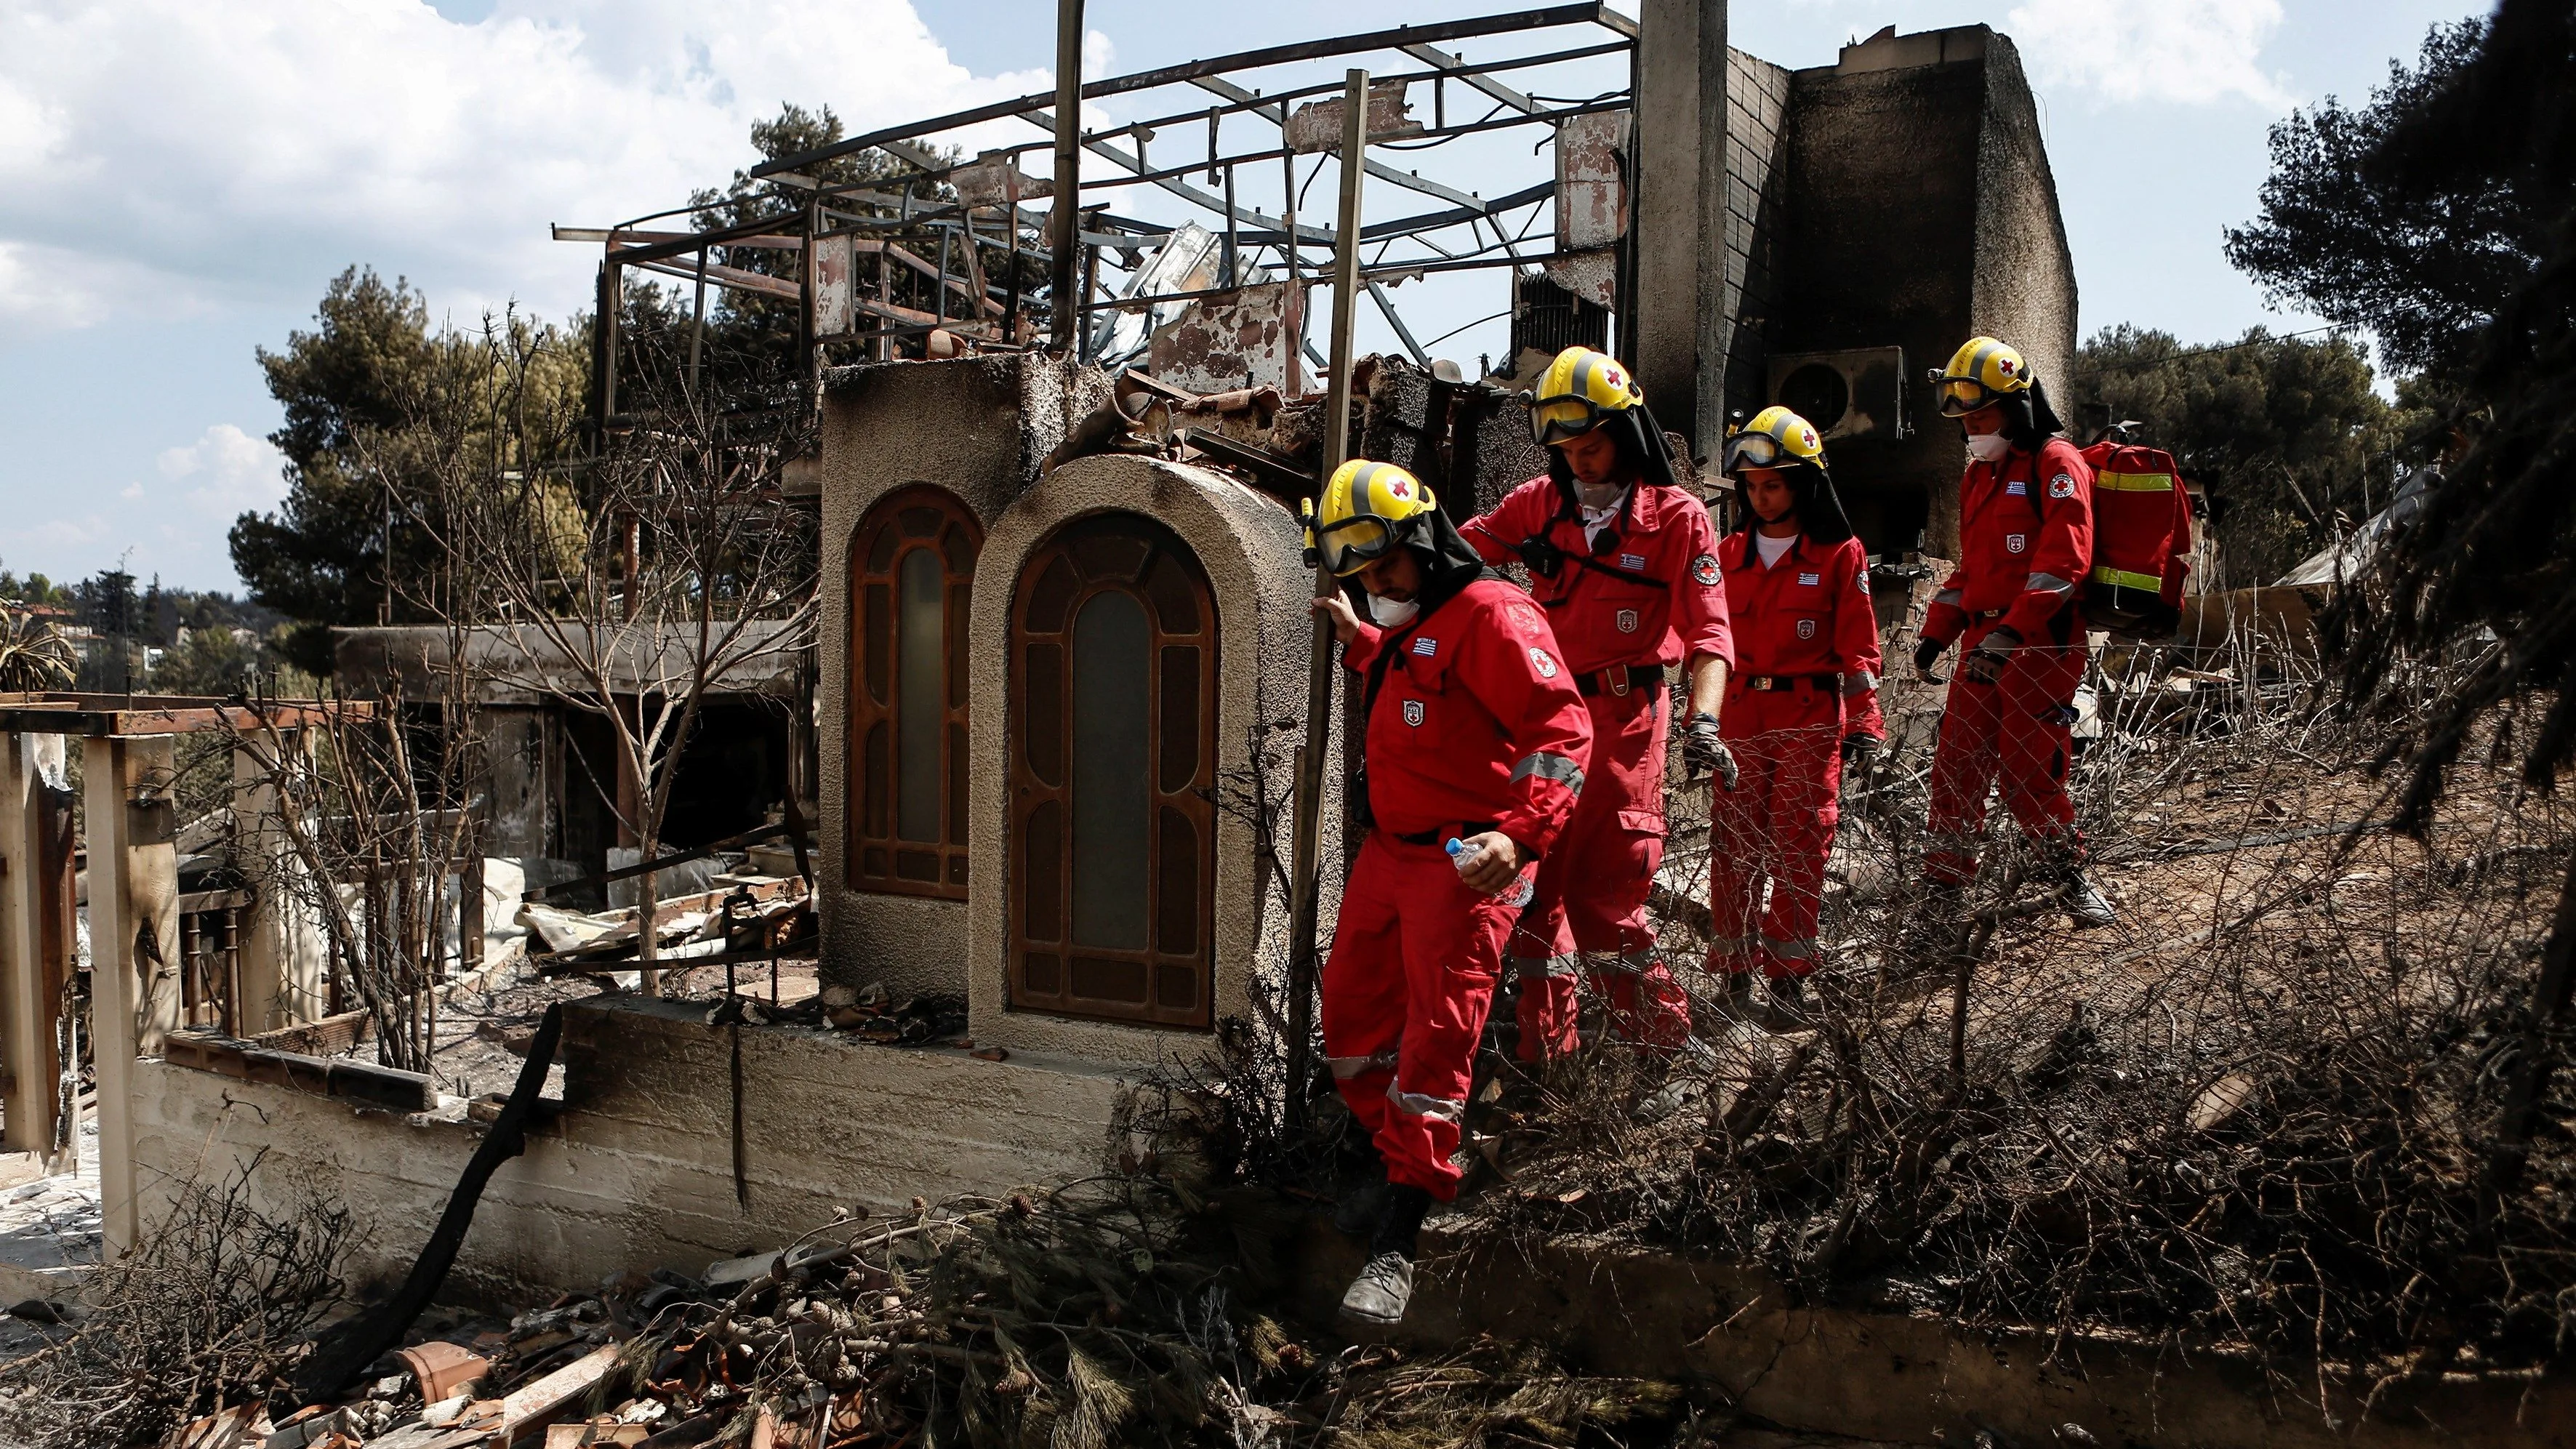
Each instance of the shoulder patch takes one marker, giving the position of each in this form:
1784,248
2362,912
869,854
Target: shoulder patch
1704,569
2061,486
1543,662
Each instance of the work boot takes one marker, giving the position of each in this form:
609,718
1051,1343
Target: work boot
1363,1201
1687,1077
1381,1291
2086,907
1735,994
1784,1004
1385,1282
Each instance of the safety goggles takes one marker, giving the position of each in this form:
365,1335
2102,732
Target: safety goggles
1960,396
1754,450
1560,418
1354,543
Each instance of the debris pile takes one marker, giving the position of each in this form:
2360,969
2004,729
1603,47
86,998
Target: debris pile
1120,1310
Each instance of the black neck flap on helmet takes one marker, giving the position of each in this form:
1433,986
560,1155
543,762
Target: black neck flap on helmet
1819,508
2028,419
1644,457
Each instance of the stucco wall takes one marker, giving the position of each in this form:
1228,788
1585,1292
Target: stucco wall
1253,554
977,427
638,1171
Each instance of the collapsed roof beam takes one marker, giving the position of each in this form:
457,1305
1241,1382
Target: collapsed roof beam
1395,39
1277,114
1434,55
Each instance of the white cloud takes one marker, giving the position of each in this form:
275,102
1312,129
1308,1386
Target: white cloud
169,156
2187,52
225,471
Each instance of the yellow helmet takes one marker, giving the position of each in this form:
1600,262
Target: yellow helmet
1367,510
1982,372
1577,392
1776,438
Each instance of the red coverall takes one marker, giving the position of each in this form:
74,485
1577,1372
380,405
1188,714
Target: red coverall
1619,635
1807,642
2025,543
1476,727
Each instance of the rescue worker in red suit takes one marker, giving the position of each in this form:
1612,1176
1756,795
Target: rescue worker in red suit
1474,734
2025,544
1802,705
1624,565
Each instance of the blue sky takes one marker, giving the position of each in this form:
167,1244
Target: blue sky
184,176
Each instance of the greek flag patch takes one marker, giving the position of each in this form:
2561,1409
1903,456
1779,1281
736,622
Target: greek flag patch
1811,578
2017,489
1632,560
1426,647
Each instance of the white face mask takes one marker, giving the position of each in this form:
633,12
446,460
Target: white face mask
1391,613
1599,496
1988,447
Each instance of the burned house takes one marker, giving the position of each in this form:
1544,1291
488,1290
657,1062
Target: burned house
1050,717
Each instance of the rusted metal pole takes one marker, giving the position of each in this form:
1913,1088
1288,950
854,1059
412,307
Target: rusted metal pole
1305,888
1064,226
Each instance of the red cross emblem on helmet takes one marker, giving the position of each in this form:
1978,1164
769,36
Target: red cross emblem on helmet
2004,365
1396,489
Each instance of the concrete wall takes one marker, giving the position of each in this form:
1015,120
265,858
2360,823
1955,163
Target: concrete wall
1253,554
977,427
638,1170
1920,211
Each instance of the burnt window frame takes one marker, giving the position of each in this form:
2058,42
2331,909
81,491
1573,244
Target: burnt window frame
874,854
1171,796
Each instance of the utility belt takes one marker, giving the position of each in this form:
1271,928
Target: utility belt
1779,683
1436,835
1619,679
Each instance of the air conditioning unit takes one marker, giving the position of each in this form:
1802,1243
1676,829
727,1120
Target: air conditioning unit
1852,395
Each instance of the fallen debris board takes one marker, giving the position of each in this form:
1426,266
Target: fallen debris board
533,1407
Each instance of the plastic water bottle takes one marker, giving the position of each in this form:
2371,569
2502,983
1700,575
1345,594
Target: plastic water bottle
1462,856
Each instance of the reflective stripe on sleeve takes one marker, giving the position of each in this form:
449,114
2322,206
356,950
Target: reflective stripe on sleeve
1446,1109
1946,596
1549,765
1801,949
1345,1068
1859,681
2048,584
1539,968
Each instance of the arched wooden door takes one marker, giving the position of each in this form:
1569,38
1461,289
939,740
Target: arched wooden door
1112,771
912,565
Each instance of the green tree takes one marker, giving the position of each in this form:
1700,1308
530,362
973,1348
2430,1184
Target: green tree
2419,260
377,403
2285,433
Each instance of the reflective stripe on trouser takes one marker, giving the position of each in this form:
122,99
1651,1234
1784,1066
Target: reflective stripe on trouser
1406,989
2012,734
1592,886
1774,828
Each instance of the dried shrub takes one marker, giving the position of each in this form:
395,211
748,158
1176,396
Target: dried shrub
211,1310
2254,1111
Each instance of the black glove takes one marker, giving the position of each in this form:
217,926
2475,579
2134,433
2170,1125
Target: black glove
1859,750
1927,653
1985,662
1543,557
1703,753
